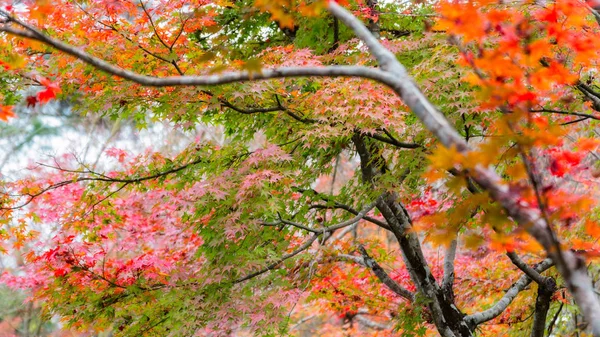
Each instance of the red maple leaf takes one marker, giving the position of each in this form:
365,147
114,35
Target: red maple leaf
46,95
50,91
31,101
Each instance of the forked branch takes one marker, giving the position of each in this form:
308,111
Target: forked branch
509,296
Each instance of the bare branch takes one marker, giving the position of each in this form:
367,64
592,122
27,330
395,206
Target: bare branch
328,229
360,318
553,321
351,258
575,121
103,178
402,84
385,58
338,205
349,209
317,233
149,16
249,111
568,113
447,318
506,300
384,277
274,265
532,273
224,78
448,279
395,142
354,220
290,223
144,49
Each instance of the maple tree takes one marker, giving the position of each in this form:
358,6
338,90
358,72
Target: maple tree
470,126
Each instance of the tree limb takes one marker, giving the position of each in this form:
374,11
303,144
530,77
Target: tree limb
102,178
307,244
361,319
351,258
274,265
504,302
349,209
384,277
318,231
568,113
229,77
394,142
249,111
553,321
448,279
532,273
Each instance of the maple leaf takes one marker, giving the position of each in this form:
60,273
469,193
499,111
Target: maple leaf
49,92
445,158
6,112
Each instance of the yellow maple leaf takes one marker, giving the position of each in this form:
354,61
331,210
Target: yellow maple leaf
445,158
433,175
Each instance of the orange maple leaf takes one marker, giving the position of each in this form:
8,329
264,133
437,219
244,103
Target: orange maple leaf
6,112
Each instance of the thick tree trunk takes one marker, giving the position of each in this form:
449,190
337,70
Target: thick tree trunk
448,319
542,305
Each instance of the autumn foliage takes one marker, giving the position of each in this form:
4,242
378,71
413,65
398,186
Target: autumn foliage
431,172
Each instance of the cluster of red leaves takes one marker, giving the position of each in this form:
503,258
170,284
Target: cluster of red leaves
46,94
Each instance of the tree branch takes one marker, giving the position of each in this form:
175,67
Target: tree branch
317,233
506,300
351,258
595,13
103,178
349,209
393,141
384,277
553,321
281,222
339,205
568,113
153,26
532,273
352,221
359,216
280,260
591,94
224,78
447,318
336,35
448,279
250,111
361,319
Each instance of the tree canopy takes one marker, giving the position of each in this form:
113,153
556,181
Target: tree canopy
370,167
